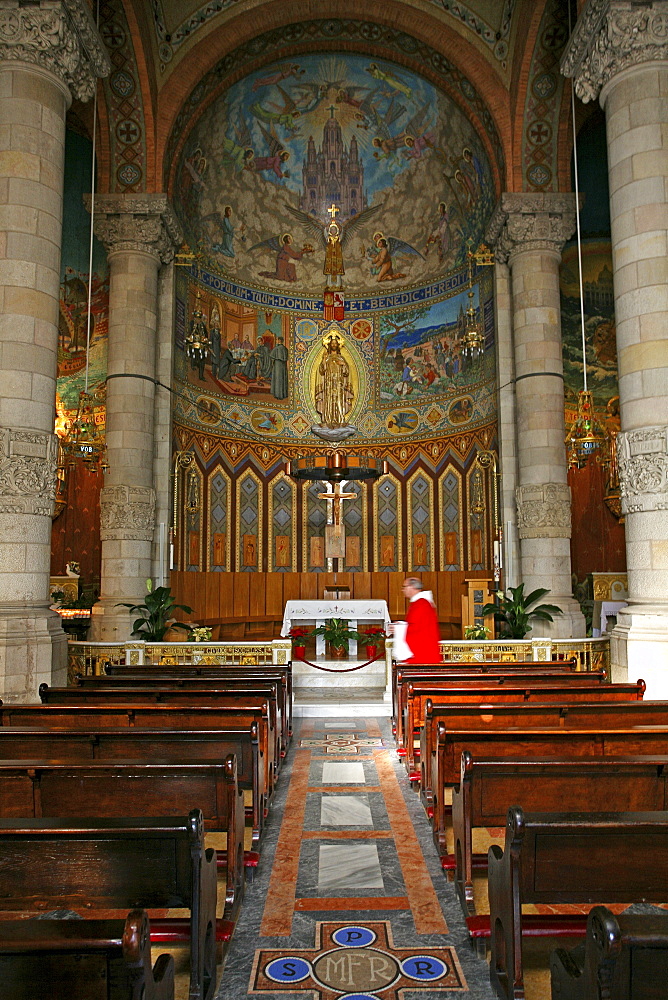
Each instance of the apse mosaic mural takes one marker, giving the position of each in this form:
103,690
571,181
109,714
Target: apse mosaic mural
404,169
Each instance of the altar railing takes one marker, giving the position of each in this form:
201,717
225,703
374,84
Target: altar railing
591,654
88,658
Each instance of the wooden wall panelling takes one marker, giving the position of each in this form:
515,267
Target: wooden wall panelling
361,586
226,595
242,585
396,601
379,586
310,586
291,582
257,602
212,595
274,600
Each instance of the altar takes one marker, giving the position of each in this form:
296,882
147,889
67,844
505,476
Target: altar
320,611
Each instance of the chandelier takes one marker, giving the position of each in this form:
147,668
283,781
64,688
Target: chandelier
587,436
336,467
473,339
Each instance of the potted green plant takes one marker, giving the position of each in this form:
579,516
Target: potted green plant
338,633
298,635
373,636
157,614
514,610
479,632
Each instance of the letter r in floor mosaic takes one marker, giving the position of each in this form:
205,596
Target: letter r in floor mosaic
357,960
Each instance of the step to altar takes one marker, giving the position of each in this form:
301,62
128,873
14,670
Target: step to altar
342,702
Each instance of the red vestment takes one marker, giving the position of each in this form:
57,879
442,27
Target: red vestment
422,635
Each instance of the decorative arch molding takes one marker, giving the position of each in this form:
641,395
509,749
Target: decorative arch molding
420,516
124,161
219,521
388,500
249,554
486,107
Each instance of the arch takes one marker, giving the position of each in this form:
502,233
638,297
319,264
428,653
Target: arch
277,505
217,60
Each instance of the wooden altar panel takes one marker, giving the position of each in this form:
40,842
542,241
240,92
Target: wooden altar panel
311,586
396,601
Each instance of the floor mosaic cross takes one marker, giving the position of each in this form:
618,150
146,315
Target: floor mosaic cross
356,962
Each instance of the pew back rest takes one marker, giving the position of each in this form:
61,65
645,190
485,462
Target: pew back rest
100,863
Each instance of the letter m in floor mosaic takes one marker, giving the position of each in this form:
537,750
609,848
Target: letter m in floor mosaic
356,961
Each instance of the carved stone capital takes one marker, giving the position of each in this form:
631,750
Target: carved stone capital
642,456
27,472
530,221
544,510
56,35
610,36
127,512
142,222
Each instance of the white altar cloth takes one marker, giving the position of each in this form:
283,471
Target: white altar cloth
320,611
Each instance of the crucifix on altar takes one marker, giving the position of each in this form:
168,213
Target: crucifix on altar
335,532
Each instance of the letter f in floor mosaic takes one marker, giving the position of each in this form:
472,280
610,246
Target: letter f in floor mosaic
350,901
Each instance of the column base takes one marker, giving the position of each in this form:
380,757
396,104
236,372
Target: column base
109,623
639,648
33,651
569,625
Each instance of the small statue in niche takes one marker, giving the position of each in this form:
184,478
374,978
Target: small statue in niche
333,392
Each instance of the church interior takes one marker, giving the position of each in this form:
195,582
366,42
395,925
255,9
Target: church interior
323,326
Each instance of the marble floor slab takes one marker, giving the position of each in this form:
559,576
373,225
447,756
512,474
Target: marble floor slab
340,725
346,867
343,774
345,810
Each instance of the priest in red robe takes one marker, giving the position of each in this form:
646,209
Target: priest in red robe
421,634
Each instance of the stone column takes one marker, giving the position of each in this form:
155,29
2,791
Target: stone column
49,52
528,231
162,428
619,52
140,233
506,408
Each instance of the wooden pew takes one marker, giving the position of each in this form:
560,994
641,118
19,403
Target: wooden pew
406,676
152,716
263,696
474,667
539,715
66,957
181,674
623,957
488,787
104,789
528,744
440,693
553,858
168,745
109,864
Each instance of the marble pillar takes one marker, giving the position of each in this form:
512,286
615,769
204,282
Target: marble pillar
528,232
140,233
49,52
619,53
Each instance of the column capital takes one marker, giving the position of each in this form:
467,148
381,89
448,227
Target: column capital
531,221
127,512
610,36
642,456
142,222
56,35
27,472
544,510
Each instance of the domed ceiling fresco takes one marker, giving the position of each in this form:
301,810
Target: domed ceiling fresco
398,159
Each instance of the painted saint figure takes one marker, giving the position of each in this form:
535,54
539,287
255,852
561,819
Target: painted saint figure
279,370
285,268
333,393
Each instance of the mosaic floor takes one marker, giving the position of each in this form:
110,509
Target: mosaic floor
349,901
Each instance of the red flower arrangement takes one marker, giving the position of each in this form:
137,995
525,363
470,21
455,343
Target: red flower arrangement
375,633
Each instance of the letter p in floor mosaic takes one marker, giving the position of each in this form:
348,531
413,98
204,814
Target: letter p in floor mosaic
356,962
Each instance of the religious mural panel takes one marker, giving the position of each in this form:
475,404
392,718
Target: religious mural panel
371,143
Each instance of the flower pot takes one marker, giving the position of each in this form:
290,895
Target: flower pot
371,651
338,652
299,652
